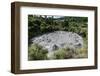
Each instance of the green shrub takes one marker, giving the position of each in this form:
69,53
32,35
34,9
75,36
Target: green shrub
36,52
63,53
68,52
82,53
40,24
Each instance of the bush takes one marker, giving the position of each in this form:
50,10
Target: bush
36,52
40,24
81,53
63,53
68,52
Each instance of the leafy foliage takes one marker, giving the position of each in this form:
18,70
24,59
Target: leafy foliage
36,52
68,53
62,53
40,24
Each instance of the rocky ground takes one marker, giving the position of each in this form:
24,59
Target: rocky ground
59,39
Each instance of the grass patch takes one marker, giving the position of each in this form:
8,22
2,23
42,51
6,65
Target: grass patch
63,53
36,52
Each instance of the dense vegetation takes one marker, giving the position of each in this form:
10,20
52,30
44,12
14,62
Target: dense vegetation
40,24
37,52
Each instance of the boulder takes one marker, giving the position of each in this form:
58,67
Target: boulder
59,39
